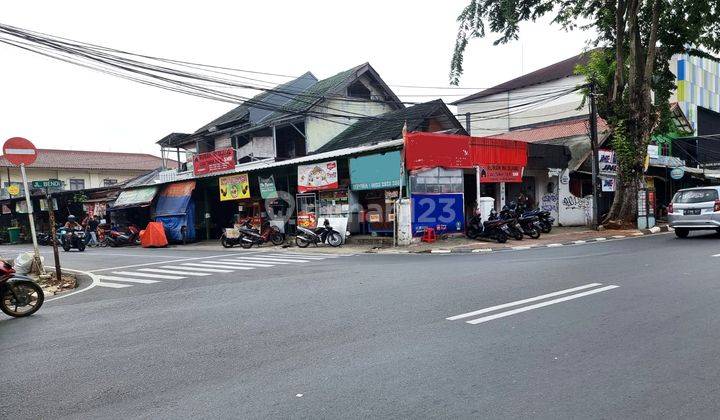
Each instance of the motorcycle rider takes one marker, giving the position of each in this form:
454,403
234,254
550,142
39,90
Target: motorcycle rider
71,223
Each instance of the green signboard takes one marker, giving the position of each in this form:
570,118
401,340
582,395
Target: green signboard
267,187
375,172
48,183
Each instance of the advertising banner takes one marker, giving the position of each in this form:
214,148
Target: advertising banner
318,176
375,172
216,161
234,187
501,173
267,187
443,212
607,165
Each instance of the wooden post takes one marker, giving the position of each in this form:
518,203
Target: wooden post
53,235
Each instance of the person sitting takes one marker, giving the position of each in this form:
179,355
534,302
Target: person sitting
72,223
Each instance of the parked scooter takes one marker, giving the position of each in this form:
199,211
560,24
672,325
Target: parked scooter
115,238
250,236
545,220
529,223
19,295
44,238
516,230
321,234
491,229
73,238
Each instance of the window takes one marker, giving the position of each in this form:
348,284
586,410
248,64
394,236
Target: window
77,184
358,90
109,181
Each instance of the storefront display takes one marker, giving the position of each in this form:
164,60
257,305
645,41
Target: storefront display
306,211
333,203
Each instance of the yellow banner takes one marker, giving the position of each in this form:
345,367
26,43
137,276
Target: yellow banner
234,187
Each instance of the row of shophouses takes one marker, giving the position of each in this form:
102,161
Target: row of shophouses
347,149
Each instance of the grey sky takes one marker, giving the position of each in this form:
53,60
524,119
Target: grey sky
57,105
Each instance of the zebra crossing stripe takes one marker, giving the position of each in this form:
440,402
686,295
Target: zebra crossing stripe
212,264
112,285
128,279
258,260
235,265
210,270
247,264
183,273
297,256
154,276
288,260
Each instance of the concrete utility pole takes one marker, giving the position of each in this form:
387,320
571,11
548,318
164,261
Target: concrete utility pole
594,147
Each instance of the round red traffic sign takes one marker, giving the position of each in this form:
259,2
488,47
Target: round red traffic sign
18,151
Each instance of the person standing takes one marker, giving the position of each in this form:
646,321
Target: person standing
91,229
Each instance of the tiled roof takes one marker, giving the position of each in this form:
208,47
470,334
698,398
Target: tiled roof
559,70
553,131
80,159
389,126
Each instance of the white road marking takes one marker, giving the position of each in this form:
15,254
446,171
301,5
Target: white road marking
154,276
304,257
128,279
638,234
112,285
482,250
182,273
289,260
159,262
522,302
600,239
618,236
211,270
539,305
716,255
247,264
210,264
520,248
553,245
258,260
579,242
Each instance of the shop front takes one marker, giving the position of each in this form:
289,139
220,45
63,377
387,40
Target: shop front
376,181
175,209
449,173
133,207
320,196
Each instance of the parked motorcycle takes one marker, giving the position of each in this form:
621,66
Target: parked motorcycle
250,236
19,295
516,230
545,219
72,238
44,238
529,223
321,234
116,238
490,229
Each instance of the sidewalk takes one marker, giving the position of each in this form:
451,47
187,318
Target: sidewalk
459,243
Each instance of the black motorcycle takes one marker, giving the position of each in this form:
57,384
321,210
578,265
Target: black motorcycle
322,234
249,236
491,229
529,223
73,238
545,220
516,230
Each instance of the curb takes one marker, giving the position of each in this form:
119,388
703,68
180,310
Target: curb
644,232
91,276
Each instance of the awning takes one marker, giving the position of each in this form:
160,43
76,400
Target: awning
174,199
138,197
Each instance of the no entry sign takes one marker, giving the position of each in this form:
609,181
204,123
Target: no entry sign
19,151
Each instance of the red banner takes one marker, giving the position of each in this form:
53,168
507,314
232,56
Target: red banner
216,161
501,173
429,150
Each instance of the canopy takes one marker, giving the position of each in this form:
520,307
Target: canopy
138,197
176,210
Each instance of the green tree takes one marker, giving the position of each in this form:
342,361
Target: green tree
635,40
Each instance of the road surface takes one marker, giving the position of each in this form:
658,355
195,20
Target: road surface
623,329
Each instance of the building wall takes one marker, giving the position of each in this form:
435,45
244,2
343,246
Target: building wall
92,178
698,84
501,112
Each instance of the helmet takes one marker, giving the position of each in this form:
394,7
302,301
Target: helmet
71,218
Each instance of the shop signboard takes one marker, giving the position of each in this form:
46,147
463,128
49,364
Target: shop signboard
677,173
47,183
501,173
234,187
373,172
267,187
318,176
215,161
443,212
607,165
13,189
608,184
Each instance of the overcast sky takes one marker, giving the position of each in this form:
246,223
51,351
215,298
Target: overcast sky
57,105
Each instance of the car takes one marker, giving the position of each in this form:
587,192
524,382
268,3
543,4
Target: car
695,209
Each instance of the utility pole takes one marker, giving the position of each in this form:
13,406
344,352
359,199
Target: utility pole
53,234
467,123
594,147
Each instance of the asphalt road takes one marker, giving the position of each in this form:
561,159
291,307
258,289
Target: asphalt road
544,335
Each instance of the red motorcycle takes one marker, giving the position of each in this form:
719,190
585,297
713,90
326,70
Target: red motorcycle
19,295
115,238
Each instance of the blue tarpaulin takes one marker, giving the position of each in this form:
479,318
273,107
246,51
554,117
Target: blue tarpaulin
175,209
